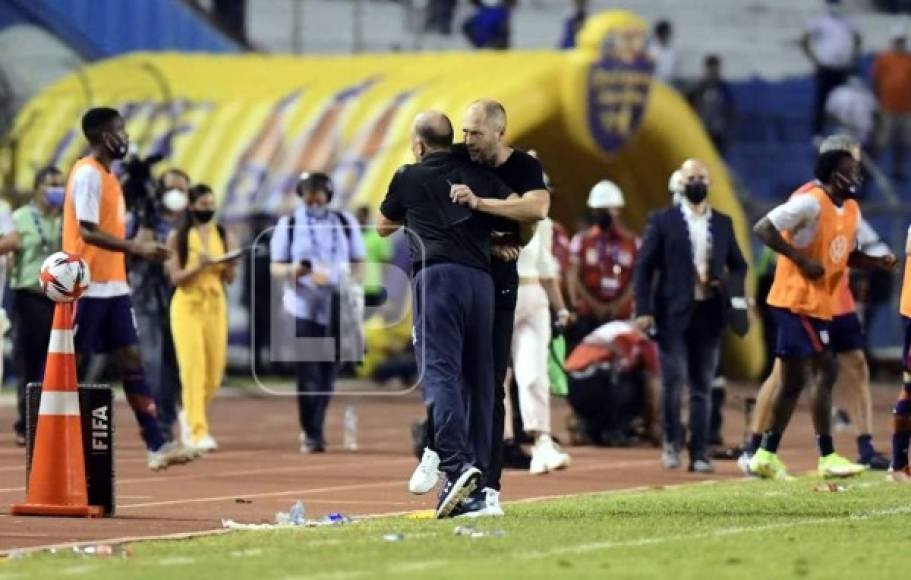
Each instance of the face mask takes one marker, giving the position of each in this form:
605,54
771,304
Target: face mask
696,192
203,216
174,200
116,147
54,197
848,185
317,212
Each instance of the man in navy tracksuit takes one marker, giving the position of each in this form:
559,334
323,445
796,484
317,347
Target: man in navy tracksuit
453,299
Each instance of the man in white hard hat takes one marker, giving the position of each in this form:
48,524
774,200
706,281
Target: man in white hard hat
602,260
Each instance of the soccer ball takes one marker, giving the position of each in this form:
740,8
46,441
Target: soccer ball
64,277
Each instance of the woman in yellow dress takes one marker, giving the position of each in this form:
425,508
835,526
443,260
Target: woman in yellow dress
199,320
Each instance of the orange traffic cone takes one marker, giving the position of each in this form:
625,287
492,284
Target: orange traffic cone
57,484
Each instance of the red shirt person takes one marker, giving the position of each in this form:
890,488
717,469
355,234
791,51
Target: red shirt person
602,259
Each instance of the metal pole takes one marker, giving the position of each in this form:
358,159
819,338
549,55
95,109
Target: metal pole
357,26
297,26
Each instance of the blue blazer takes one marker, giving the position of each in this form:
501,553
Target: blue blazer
666,277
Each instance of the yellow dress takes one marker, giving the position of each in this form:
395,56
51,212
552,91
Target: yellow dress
199,325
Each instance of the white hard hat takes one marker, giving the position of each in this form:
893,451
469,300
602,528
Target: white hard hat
605,194
675,183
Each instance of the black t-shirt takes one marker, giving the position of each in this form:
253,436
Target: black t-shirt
439,230
521,173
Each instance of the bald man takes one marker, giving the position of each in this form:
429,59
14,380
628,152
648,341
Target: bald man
454,296
484,131
690,249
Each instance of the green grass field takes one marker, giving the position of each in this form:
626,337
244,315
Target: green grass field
726,530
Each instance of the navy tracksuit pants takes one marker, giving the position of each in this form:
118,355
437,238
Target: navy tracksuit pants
453,322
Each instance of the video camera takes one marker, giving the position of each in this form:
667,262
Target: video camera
139,189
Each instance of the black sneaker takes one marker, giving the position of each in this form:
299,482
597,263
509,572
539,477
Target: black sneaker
514,457
20,440
875,462
457,489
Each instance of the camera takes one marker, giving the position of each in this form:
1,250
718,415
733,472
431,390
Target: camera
139,188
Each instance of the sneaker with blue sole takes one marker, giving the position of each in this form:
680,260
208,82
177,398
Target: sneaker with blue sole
457,489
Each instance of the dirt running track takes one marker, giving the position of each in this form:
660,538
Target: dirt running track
258,461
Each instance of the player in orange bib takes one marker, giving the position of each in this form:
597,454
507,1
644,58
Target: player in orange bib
901,416
815,233
846,335
94,228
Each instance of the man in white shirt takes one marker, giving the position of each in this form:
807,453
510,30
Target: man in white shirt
832,43
690,248
853,108
662,52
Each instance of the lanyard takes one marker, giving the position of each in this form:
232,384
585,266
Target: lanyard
314,243
45,246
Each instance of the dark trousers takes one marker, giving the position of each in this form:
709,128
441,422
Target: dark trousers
690,358
156,345
453,321
503,321
315,382
827,79
33,315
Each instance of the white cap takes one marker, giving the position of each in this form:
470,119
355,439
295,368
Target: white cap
675,183
605,194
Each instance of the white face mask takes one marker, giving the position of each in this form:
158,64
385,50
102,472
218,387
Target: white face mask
174,200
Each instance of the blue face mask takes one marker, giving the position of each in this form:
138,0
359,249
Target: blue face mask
317,212
54,197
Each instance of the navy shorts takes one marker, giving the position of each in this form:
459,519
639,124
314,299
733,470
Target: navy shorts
104,324
799,336
846,333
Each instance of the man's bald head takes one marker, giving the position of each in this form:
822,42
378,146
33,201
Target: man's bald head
483,127
694,170
431,132
490,112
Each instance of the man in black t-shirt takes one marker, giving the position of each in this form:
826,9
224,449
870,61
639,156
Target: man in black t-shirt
453,300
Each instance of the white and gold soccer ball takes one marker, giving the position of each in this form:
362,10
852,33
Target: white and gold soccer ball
64,277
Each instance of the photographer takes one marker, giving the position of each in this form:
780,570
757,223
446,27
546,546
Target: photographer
154,217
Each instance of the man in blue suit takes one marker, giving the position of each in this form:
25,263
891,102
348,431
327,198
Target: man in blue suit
688,260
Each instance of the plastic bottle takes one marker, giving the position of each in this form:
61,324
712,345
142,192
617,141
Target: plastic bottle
349,441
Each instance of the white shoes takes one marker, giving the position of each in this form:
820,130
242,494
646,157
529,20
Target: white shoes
184,428
169,454
547,456
490,509
206,444
426,474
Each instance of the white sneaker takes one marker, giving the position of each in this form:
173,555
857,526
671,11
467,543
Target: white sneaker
546,456
426,474
185,436
670,457
206,444
168,454
743,462
491,507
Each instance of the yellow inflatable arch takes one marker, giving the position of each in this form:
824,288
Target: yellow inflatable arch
248,125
